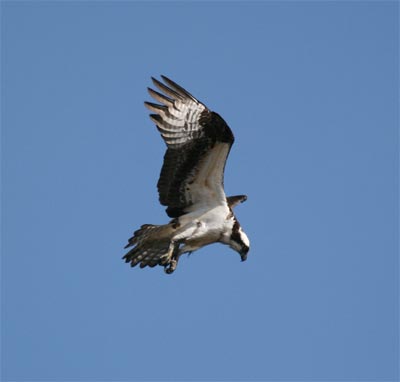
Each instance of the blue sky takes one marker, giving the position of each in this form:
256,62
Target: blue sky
310,90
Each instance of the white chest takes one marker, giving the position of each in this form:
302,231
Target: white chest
205,225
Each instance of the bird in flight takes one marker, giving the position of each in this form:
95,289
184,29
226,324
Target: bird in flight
191,183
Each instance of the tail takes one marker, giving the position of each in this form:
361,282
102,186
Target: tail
151,243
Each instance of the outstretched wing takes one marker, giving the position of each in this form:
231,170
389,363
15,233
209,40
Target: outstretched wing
198,143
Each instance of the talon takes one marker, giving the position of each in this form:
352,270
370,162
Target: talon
170,267
170,259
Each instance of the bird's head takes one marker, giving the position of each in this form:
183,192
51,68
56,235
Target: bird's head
239,241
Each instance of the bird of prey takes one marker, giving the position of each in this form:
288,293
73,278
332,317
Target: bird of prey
191,183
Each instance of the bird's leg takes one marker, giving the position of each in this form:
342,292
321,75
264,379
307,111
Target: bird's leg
172,257
172,264
170,267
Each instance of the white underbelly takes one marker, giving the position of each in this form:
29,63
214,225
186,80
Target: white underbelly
202,226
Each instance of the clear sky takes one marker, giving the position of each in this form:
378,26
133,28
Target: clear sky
310,90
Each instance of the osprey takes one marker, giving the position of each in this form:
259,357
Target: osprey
191,183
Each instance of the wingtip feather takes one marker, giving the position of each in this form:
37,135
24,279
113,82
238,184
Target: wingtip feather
155,107
160,97
165,89
183,92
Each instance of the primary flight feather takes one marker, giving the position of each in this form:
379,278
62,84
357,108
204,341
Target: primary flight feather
191,183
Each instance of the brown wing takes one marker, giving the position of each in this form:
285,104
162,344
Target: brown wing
198,143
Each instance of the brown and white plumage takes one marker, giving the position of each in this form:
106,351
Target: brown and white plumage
191,183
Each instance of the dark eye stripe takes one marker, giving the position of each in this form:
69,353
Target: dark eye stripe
235,236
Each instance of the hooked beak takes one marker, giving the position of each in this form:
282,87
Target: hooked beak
243,254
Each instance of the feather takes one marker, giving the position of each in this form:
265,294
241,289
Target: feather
173,94
161,97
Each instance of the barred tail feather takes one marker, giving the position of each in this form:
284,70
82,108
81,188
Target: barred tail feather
151,243
140,234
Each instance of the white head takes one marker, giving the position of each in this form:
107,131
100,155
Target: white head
239,241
